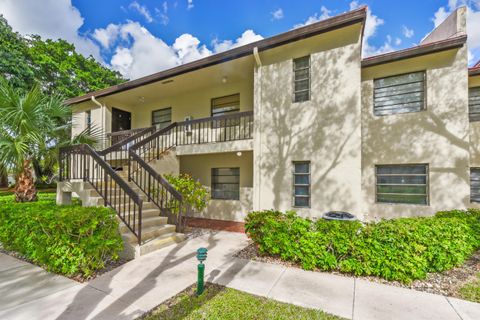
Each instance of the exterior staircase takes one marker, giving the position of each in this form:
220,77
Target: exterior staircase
127,177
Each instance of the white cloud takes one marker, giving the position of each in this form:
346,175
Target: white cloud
324,14
190,4
277,14
137,52
407,33
371,26
398,41
143,10
106,36
248,36
163,13
51,19
188,49
473,24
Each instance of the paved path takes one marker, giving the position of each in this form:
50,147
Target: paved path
27,292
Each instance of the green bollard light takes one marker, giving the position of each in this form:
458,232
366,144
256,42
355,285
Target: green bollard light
201,256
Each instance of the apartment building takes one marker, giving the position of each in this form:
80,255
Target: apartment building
300,121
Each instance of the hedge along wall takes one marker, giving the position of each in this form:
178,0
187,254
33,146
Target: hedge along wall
69,240
402,249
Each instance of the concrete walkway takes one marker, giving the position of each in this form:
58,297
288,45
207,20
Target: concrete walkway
28,292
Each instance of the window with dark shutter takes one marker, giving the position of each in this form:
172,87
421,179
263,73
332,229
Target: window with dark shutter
474,104
301,184
399,94
226,183
402,184
301,79
475,185
162,118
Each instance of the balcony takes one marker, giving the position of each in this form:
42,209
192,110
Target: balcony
224,133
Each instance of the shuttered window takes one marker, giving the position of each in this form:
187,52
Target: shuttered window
225,105
402,184
162,118
301,184
399,94
474,104
301,79
475,185
88,120
226,183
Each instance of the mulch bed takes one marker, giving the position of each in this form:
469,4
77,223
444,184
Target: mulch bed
446,283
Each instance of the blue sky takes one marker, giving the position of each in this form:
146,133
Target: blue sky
139,37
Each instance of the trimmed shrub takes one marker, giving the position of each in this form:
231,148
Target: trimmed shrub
69,240
402,249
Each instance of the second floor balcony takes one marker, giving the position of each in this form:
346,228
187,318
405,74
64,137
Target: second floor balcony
222,133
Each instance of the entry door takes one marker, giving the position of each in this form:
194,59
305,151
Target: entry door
121,120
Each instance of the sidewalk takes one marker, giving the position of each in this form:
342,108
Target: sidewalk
140,285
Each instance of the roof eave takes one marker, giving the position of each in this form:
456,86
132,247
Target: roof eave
474,71
337,22
421,50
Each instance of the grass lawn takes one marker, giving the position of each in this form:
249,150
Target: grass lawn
222,303
471,290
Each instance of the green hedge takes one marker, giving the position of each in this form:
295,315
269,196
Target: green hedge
69,240
401,249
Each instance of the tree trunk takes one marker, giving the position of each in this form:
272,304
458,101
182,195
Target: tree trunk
25,190
3,180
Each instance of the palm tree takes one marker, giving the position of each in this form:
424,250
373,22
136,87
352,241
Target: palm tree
30,123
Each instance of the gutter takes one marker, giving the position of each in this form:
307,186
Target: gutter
433,47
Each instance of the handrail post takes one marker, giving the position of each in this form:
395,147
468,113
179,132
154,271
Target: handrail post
105,181
140,205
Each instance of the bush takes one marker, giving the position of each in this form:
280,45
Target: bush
69,240
402,249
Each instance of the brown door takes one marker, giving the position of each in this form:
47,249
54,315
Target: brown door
121,120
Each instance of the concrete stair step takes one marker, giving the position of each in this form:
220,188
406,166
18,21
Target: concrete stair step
122,205
146,222
146,213
160,242
150,232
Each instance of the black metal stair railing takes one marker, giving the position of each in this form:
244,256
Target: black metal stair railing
236,126
82,162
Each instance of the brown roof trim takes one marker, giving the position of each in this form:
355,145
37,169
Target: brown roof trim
342,20
421,50
475,71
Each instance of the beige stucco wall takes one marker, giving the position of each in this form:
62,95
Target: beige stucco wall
437,136
324,130
199,166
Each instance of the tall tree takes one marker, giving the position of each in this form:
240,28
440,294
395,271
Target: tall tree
61,70
15,64
54,65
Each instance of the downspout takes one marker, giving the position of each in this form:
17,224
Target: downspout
257,132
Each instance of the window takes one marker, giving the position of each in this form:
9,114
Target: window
301,79
162,118
88,120
474,104
399,94
301,184
225,105
402,184
475,185
226,183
